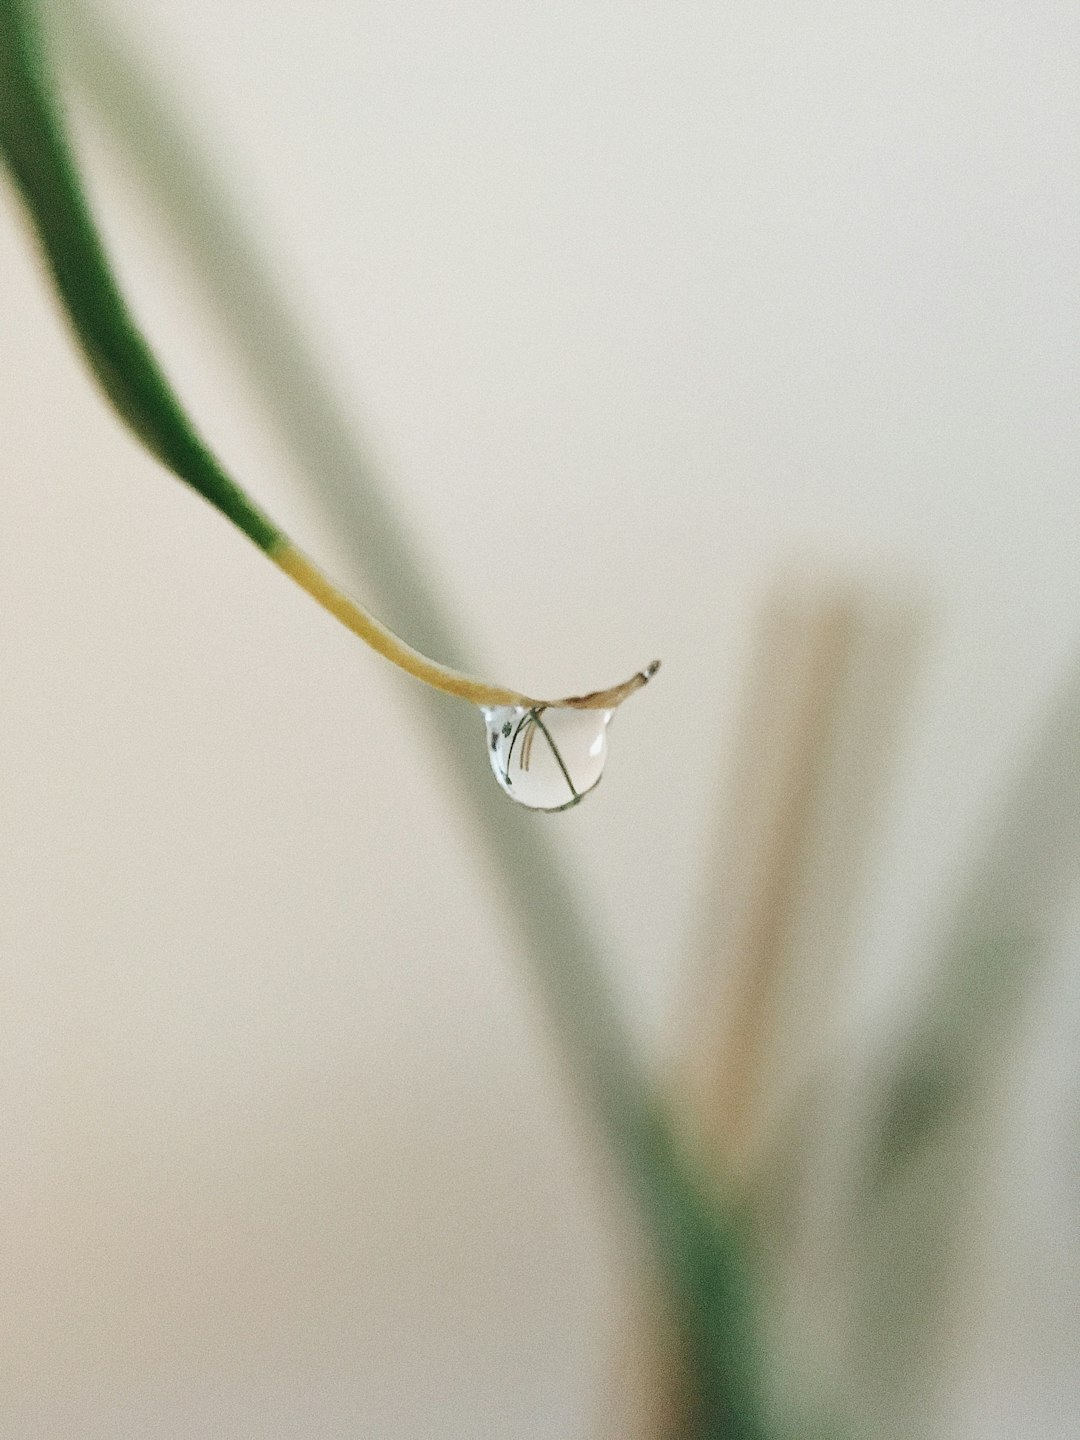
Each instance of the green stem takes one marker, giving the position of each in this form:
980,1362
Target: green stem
36,152
702,1257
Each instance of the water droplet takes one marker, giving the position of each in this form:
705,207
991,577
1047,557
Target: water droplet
549,757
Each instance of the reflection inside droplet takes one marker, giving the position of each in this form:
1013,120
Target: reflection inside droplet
548,757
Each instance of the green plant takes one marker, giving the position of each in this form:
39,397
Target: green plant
700,1247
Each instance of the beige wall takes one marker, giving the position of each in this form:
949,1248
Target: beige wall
632,303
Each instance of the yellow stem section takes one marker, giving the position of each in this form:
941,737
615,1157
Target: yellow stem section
452,682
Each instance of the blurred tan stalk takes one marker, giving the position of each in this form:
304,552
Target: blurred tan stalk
830,667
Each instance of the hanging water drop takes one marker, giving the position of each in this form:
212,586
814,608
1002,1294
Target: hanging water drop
548,757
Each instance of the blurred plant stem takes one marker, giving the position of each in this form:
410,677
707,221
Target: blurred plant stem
919,1175
700,1252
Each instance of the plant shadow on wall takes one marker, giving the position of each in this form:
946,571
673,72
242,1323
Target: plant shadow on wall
718,1159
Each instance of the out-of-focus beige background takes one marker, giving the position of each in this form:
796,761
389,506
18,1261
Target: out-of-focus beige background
632,304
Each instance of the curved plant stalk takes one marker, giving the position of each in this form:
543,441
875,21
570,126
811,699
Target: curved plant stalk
440,677
701,1252
38,156
568,961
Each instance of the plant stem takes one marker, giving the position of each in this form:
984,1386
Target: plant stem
35,147
702,1255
